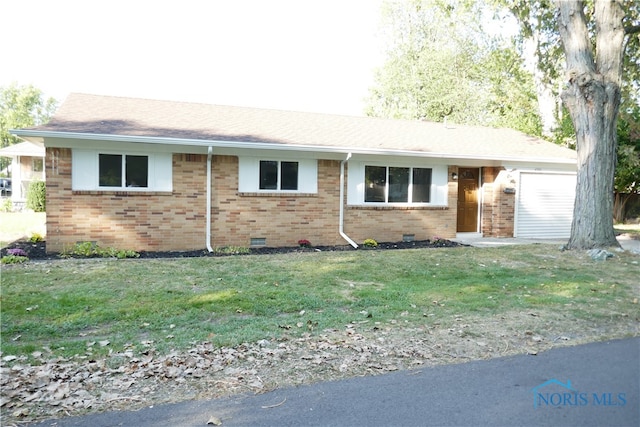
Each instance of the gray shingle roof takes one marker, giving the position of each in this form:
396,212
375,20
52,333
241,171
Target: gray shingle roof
108,115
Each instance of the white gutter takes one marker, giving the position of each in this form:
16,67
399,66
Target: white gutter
26,134
209,154
341,217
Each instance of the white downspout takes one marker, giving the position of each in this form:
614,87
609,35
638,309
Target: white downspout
209,154
341,219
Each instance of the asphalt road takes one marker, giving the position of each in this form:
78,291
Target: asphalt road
589,385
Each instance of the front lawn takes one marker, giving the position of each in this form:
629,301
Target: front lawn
63,305
20,225
83,335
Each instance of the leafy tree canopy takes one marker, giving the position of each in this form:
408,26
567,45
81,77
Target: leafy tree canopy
21,107
443,64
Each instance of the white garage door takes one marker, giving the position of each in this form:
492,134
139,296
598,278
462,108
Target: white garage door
545,205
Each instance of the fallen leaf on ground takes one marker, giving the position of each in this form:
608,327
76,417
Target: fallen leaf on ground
215,421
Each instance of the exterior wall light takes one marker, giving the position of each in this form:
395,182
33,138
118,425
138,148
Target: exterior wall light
454,176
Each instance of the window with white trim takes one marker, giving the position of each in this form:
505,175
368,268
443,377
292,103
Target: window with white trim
264,175
398,182
386,184
93,170
278,175
118,170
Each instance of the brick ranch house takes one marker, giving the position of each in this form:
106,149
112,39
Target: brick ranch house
161,175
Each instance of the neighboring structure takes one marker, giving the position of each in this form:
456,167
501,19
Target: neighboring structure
160,175
27,165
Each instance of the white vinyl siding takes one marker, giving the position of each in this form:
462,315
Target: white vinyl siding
249,175
544,207
85,171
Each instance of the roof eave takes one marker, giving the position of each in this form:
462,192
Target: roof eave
38,137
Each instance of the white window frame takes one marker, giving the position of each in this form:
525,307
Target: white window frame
387,187
249,175
85,174
356,184
123,172
279,175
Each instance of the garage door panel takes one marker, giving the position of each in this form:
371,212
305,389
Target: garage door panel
545,205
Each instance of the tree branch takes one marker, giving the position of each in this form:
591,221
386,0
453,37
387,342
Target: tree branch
633,29
572,26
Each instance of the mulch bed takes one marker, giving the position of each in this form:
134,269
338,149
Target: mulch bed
38,250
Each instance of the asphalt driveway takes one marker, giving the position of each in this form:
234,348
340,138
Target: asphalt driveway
589,385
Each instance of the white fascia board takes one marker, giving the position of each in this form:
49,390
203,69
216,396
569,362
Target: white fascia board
541,166
40,136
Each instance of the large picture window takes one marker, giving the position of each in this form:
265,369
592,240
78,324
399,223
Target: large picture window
397,184
278,175
116,170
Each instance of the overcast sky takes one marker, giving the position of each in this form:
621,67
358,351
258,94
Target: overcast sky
287,54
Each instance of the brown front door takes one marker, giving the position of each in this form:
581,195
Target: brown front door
468,199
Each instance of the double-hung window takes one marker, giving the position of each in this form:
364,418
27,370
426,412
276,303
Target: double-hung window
269,176
385,184
96,170
118,171
278,175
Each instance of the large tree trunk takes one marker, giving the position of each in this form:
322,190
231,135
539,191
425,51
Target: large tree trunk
593,100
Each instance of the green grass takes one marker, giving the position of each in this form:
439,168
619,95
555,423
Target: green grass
67,305
17,225
632,229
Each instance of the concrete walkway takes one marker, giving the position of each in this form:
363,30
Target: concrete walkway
476,239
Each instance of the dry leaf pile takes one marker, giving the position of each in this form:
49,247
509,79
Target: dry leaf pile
137,376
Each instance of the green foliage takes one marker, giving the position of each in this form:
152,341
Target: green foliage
304,243
370,243
36,237
627,179
91,250
512,98
6,206
231,250
36,196
14,259
442,64
21,107
15,256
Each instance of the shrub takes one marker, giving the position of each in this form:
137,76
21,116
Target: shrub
14,259
439,241
370,243
17,252
15,256
36,196
91,250
36,237
7,206
231,250
304,243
